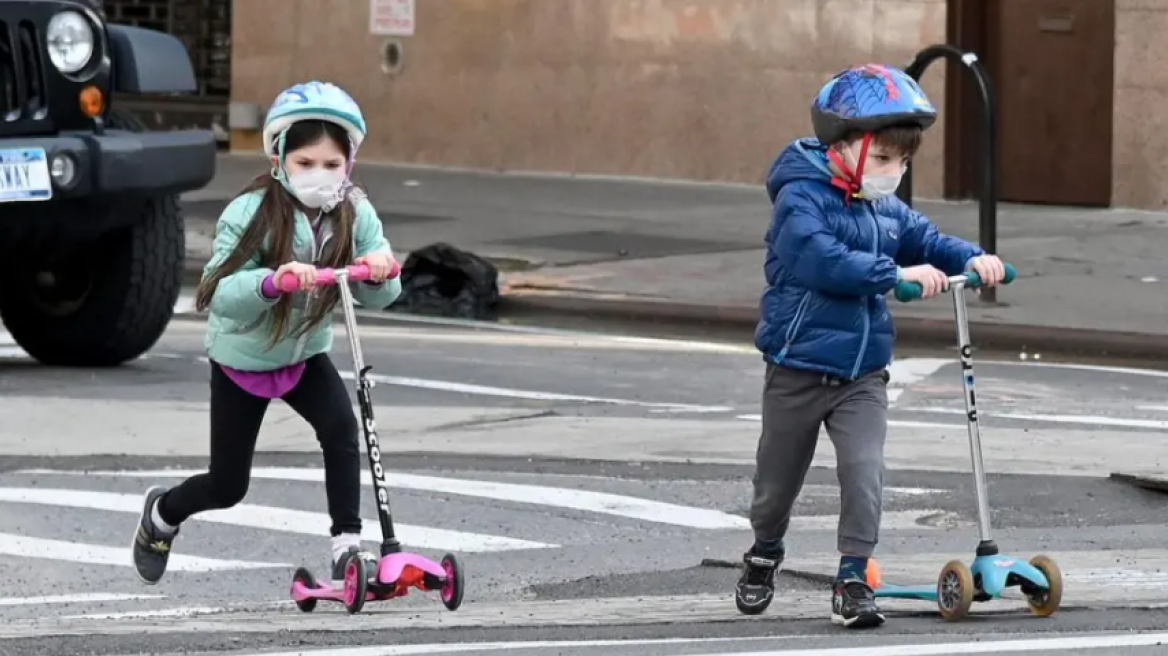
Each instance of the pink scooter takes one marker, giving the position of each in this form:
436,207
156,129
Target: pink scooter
397,570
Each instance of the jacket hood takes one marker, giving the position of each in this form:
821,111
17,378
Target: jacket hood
802,159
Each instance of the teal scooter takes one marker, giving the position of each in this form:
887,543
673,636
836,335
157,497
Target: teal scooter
959,585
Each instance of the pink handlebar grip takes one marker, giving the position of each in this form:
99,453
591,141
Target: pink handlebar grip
357,273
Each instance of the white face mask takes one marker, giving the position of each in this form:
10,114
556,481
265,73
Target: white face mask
317,188
874,187
879,186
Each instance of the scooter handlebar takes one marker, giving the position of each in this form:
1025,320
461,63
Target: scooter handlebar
288,282
907,291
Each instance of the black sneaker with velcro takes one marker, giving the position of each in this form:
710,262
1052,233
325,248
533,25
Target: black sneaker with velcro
853,605
756,586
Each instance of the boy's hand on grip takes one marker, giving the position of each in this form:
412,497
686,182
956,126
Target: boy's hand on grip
932,280
990,269
305,274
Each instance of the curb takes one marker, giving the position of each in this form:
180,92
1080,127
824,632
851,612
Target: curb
915,330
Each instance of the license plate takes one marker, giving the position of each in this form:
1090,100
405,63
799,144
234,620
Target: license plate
24,175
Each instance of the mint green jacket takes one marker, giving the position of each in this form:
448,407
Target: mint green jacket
239,301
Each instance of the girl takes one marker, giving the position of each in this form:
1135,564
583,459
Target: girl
265,345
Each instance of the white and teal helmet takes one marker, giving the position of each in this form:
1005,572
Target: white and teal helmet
314,100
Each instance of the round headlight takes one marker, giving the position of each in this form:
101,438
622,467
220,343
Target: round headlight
70,40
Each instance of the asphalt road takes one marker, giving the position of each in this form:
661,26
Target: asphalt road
577,539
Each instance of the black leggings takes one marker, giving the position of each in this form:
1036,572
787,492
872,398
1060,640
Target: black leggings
236,415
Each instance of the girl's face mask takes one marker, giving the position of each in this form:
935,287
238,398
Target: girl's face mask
317,188
316,174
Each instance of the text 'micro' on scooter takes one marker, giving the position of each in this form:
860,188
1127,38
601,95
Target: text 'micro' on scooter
397,570
958,585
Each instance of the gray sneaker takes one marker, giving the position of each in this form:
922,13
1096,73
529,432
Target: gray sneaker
339,564
151,545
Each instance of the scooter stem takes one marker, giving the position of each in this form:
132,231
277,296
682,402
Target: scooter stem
957,288
389,543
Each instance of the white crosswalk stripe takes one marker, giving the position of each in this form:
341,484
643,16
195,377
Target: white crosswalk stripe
24,488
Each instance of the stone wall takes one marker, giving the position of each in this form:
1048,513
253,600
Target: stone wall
1140,124
696,89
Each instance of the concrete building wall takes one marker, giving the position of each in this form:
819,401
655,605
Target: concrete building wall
1140,136
695,89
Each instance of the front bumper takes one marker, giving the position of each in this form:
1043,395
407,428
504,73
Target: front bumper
122,163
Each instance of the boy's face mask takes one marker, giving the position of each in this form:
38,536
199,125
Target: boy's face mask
876,182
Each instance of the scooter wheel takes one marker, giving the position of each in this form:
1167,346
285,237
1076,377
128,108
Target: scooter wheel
356,583
1044,603
452,591
955,591
305,578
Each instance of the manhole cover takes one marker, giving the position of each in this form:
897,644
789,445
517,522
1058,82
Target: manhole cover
627,244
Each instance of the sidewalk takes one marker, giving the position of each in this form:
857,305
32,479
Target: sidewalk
1090,281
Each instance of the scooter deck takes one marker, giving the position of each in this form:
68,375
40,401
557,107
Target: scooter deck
996,573
920,592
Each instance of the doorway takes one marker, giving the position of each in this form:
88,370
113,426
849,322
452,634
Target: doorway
1051,66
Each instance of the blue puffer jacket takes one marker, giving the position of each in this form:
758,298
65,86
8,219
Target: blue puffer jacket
829,265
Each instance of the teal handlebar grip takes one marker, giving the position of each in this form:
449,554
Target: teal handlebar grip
906,291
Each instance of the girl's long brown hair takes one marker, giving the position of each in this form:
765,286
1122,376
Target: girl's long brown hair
275,223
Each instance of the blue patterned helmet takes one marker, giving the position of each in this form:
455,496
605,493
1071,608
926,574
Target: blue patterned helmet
867,99
312,101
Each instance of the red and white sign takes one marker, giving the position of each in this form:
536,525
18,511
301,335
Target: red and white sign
391,17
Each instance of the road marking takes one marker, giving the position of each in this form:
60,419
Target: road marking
484,390
1055,419
584,500
892,423
530,395
1125,639
79,598
816,490
1131,371
443,648
274,519
186,611
904,373
669,344
94,554
557,339
1121,577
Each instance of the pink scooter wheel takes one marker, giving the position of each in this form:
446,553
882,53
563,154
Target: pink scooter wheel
356,583
452,591
305,578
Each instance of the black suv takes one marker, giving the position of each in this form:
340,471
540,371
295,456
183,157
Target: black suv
91,235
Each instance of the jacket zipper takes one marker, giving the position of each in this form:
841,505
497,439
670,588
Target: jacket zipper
315,254
793,329
867,300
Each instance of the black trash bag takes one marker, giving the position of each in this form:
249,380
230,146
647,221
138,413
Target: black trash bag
441,280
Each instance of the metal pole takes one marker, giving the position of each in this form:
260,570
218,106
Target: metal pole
987,225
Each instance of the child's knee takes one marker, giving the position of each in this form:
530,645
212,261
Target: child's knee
338,432
226,493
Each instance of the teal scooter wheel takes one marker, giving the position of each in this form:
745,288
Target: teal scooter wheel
1045,603
955,591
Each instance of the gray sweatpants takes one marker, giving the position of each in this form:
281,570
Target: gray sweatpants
794,405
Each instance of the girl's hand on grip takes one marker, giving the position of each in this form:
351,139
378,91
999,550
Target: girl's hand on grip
305,274
380,265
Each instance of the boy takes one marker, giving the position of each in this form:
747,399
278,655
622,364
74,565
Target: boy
839,240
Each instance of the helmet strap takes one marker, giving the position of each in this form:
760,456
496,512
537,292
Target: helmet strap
849,181
278,169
